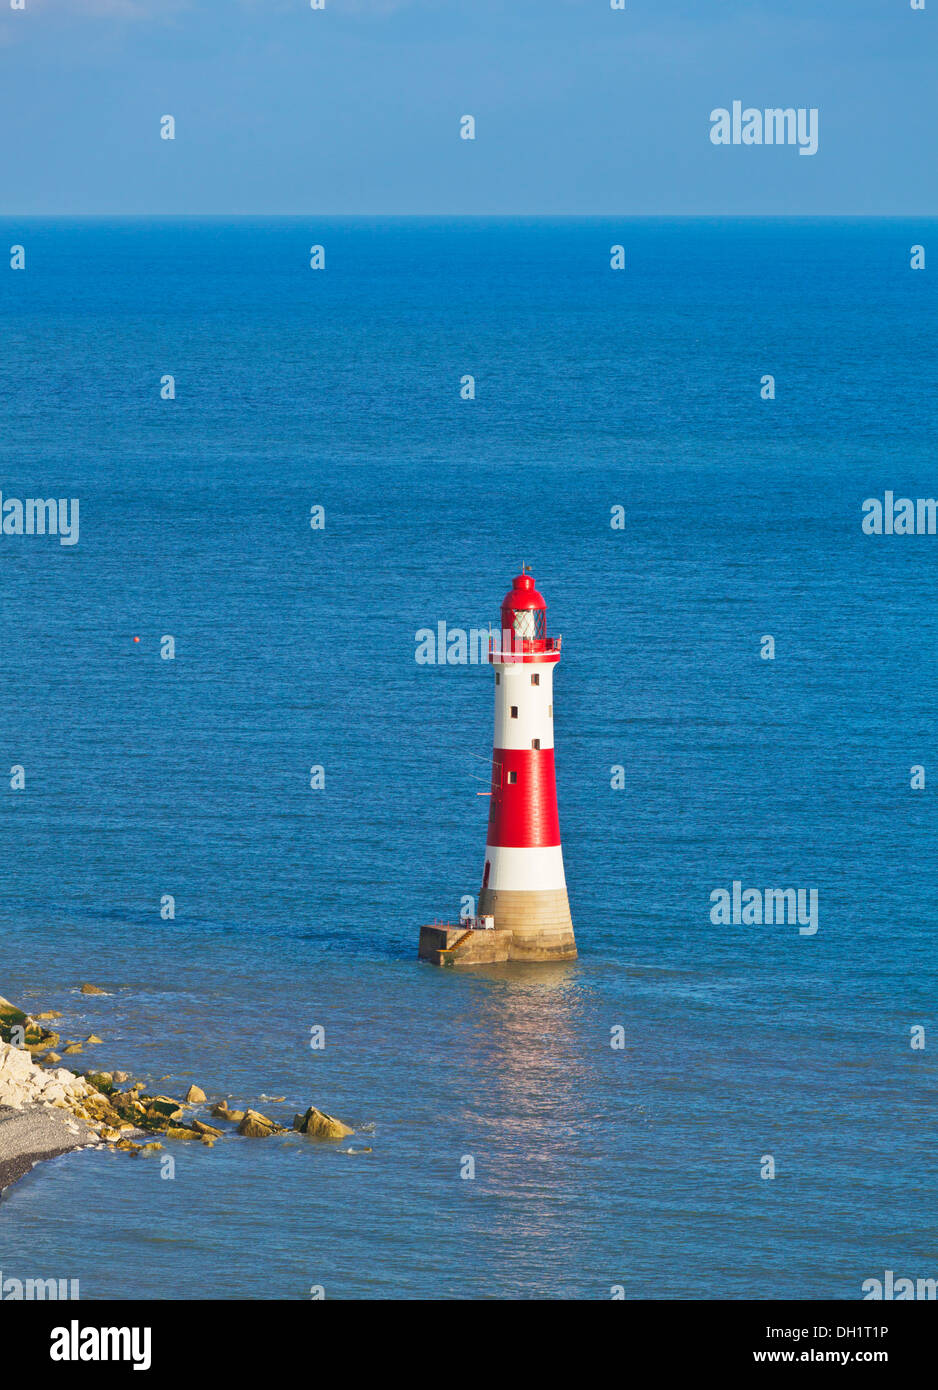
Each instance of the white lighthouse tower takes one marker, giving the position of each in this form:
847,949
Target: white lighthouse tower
524,913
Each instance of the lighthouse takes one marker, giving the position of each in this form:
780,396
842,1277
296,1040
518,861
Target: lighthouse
523,884
523,910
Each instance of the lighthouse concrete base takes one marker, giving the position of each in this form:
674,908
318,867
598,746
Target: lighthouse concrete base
539,922
443,944
529,926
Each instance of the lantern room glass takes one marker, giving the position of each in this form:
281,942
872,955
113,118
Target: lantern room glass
530,623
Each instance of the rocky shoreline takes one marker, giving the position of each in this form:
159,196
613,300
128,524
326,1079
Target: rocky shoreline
47,1110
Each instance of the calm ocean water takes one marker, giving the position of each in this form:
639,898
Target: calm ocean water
594,1167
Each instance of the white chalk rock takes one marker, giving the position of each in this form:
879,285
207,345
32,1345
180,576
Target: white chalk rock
22,1082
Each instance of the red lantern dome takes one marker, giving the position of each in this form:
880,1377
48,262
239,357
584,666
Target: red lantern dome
524,613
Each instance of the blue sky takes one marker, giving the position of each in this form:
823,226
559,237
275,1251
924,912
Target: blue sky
355,109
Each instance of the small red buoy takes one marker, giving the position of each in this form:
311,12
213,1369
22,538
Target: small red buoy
136,639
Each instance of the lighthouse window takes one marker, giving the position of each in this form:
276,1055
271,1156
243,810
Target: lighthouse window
498,677
530,623
550,711
535,743
512,777
514,711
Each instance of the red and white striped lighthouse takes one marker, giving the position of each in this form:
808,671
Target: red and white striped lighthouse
523,884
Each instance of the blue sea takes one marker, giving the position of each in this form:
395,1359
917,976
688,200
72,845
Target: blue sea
595,1167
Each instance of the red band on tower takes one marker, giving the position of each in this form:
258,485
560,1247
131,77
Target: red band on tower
523,808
